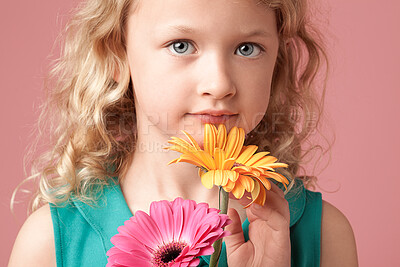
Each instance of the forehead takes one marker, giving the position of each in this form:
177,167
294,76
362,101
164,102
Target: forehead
217,15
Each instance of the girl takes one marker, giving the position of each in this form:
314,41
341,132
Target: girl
136,72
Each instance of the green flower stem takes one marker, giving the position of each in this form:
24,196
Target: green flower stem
223,206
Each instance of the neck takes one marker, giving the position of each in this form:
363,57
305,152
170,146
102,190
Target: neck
149,178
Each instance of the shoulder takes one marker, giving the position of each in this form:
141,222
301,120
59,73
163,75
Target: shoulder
34,245
338,246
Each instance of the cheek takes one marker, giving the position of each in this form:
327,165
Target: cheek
149,85
255,100
160,88
256,111
159,100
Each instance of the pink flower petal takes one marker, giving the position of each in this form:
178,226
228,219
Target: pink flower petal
212,219
178,221
201,233
224,220
146,230
124,259
193,252
188,207
177,202
130,230
194,262
179,224
212,237
129,244
191,225
203,205
206,251
161,212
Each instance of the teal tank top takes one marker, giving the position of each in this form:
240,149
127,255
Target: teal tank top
82,233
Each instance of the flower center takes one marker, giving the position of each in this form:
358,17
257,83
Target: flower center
237,164
203,169
167,253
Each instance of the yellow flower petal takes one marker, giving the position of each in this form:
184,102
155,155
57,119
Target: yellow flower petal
233,176
219,158
247,182
239,147
201,172
262,196
235,142
206,158
243,169
181,149
258,195
254,194
225,175
192,141
256,158
217,177
232,141
246,153
265,168
228,164
221,137
207,179
238,190
220,177
189,158
265,161
173,161
277,165
229,186
278,177
264,182
259,169
210,138
179,141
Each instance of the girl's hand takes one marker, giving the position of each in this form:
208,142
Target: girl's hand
269,234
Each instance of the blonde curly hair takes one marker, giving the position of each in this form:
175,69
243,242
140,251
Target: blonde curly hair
88,118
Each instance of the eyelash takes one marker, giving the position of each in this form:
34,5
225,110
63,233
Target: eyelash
190,42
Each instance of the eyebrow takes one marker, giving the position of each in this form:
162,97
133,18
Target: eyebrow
186,30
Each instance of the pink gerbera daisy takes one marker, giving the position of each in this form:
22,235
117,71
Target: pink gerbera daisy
174,234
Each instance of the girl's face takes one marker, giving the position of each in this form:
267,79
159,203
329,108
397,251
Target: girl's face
198,56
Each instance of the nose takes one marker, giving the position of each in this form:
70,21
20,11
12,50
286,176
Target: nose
216,79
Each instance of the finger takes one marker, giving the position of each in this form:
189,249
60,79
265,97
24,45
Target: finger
276,200
275,211
268,215
236,238
244,201
276,189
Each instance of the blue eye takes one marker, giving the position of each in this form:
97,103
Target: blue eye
247,49
179,47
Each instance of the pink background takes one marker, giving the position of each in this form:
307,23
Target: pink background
363,102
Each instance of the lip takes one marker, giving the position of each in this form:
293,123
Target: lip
214,112
206,118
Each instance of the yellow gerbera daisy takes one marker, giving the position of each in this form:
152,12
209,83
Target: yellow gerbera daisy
227,163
